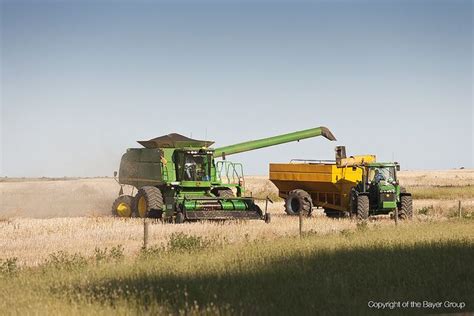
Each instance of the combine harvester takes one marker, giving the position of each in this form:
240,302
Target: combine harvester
355,186
179,178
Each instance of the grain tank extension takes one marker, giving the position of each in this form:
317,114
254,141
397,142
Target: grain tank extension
182,179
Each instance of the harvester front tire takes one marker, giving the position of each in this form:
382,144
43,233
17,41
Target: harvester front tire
179,218
406,207
362,207
148,201
298,201
122,206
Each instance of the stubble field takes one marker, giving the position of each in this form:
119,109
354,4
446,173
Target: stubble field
62,253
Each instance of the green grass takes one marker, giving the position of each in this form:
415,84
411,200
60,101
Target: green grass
333,274
442,192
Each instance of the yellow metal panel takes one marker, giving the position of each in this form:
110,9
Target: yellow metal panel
356,160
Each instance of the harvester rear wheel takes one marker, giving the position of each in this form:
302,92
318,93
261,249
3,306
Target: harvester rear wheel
362,207
406,207
148,201
298,201
224,193
122,206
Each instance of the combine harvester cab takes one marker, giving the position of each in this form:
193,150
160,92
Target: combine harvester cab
355,186
179,178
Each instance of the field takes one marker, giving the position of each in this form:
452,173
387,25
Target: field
62,253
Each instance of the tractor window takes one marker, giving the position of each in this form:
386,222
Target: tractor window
378,174
193,167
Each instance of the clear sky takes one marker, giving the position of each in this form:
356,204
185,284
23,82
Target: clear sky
81,81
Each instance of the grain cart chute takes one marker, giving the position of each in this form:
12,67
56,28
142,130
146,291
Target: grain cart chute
179,178
357,186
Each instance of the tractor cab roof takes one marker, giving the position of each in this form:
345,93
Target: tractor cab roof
175,140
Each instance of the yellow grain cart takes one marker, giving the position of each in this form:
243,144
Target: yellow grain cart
326,184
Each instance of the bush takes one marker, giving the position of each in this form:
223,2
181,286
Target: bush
63,261
104,255
8,266
180,242
425,210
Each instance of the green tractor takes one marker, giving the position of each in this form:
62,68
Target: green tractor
179,178
379,192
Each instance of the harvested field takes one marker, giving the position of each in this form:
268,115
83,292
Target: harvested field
41,216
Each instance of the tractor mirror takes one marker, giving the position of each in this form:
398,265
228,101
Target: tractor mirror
115,174
398,167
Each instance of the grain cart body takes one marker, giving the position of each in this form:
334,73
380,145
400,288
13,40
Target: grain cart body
338,185
181,178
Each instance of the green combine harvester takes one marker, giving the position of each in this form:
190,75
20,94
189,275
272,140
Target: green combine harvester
179,178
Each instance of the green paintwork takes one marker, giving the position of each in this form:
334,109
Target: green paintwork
377,191
185,169
275,140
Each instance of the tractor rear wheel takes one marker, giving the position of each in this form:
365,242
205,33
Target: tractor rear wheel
148,201
122,206
406,207
362,207
298,201
224,193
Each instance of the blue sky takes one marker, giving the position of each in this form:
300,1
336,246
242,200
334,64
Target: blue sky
82,81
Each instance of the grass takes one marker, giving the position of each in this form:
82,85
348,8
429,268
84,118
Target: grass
336,273
442,192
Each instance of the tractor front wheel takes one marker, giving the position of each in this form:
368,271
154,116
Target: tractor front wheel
406,207
148,201
362,207
122,206
298,201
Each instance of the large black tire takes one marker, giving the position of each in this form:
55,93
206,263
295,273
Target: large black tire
298,201
148,202
362,207
406,207
224,193
179,218
122,206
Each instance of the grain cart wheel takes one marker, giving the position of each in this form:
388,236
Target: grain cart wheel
406,207
224,193
122,206
362,207
298,201
148,201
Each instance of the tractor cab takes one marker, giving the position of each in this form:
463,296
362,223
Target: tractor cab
382,185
